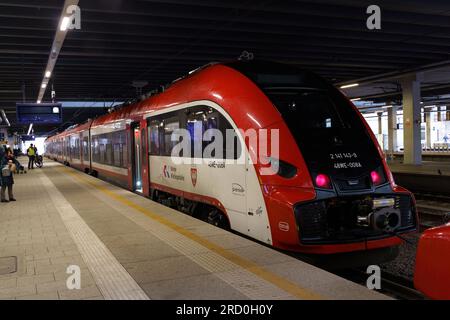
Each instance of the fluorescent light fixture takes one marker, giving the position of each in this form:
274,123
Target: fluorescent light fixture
29,128
39,101
48,74
44,85
64,23
355,99
349,85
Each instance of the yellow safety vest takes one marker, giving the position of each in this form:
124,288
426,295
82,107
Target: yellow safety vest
30,151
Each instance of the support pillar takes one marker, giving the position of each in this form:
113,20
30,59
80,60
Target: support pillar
411,120
380,130
392,129
428,121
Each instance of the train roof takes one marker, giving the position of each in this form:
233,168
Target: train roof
204,79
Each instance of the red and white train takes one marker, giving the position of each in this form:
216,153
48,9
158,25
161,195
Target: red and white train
333,191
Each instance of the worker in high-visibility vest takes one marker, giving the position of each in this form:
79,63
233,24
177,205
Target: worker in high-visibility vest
31,153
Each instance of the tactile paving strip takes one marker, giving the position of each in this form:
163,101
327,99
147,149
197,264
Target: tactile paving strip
113,281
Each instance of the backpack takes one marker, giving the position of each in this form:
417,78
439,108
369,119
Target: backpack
6,172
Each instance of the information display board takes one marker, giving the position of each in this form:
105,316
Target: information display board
42,113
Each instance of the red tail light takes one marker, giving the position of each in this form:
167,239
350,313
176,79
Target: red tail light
322,181
376,178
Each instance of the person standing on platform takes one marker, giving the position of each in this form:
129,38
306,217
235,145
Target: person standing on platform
31,153
7,179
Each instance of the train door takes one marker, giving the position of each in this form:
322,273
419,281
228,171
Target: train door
137,158
145,173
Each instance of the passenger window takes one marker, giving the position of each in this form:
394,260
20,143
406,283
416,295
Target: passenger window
124,150
196,124
109,151
208,118
153,132
170,125
85,149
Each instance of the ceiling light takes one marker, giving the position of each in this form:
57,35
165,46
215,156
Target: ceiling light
44,85
29,128
355,99
48,74
39,101
349,85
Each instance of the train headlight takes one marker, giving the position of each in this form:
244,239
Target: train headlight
323,181
285,170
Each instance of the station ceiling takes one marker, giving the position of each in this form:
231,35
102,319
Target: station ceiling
157,41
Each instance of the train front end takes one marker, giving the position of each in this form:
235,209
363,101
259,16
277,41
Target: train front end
340,194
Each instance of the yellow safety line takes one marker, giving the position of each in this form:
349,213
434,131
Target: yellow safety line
269,276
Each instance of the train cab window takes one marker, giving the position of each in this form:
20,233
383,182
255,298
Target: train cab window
320,109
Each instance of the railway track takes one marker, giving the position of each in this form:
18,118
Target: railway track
391,285
434,210
434,184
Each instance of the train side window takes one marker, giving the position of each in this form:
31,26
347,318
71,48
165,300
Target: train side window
123,149
195,123
170,125
232,145
212,122
209,118
85,149
116,156
102,148
76,154
109,149
67,154
95,149
154,139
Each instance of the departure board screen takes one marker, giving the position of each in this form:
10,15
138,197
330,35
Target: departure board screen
42,113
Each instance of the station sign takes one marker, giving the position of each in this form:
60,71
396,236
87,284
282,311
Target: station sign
39,113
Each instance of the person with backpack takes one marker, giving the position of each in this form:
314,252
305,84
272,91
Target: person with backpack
31,153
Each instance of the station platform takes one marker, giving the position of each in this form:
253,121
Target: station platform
129,247
426,168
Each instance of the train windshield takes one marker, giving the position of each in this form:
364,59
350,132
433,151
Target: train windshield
321,110
324,124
